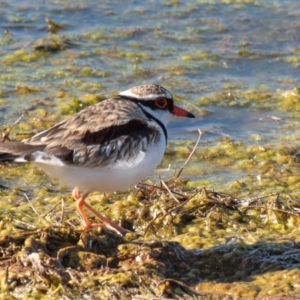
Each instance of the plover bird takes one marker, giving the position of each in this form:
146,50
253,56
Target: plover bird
107,147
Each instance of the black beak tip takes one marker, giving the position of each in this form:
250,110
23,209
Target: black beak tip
190,115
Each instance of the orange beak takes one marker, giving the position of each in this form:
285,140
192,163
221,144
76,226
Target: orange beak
180,112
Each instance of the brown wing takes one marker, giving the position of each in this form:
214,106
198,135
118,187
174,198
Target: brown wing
97,137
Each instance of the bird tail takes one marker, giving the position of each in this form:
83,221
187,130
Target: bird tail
17,151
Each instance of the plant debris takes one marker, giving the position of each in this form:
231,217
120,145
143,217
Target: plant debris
62,261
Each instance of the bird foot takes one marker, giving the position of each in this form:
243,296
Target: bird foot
80,202
105,222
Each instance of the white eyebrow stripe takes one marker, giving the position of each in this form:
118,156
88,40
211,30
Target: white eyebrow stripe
145,97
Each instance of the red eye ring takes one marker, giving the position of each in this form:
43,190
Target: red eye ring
161,103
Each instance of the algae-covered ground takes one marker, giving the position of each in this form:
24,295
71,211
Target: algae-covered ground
226,226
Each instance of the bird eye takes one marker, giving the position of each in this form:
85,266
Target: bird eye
161,103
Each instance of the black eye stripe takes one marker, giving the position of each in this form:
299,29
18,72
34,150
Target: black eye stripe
149,103
152,104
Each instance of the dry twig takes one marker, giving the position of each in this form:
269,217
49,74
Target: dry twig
62,216
7,129
191,154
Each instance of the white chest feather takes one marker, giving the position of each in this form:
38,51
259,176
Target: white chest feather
117,177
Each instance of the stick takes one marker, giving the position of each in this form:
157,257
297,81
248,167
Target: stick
191,154
6,131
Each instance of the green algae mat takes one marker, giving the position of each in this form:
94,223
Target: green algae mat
228,226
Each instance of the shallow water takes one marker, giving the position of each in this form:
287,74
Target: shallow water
194,49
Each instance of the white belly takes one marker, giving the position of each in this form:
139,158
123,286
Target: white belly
105,179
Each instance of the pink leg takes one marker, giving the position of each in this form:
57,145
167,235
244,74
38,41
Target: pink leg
80,202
